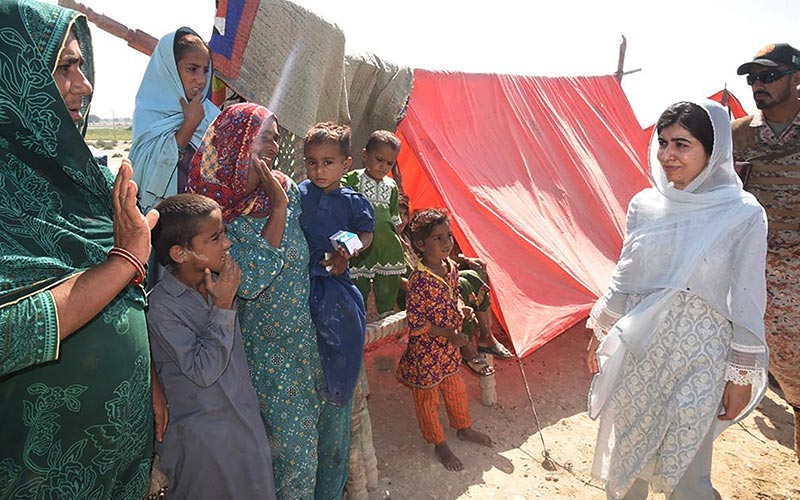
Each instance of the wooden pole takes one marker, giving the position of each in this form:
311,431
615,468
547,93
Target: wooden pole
136,39
726,100
623,46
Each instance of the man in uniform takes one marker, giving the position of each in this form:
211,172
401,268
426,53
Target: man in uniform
767,154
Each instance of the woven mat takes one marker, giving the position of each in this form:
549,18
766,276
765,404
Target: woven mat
377,93
293,63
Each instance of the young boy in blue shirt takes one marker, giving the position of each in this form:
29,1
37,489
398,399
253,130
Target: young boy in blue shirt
337,306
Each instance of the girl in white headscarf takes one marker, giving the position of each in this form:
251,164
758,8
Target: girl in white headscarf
679,350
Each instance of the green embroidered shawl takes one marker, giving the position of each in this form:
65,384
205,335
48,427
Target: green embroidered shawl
55,203
78,425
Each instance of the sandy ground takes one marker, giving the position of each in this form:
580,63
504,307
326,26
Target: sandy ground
751,462
116,155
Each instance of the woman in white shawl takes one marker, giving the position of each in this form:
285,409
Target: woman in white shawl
679,335
171,116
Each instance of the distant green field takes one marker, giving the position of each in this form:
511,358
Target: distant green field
108,134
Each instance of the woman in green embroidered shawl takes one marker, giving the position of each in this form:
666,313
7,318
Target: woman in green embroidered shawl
75,417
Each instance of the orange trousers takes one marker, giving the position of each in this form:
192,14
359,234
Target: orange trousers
426,402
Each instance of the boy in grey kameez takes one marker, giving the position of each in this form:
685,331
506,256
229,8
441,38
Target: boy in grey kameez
215,445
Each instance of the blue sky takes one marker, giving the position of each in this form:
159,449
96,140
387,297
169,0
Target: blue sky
687,49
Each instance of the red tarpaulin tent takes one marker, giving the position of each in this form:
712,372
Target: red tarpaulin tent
724,97
537,174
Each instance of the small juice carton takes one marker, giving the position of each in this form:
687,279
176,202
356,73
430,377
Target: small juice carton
347,240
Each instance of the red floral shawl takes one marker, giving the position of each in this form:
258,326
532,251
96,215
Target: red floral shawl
221,164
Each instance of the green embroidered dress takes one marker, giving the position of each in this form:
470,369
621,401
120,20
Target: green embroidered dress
380,266
385,256
75,417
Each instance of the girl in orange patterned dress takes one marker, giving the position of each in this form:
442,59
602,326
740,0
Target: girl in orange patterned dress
434,312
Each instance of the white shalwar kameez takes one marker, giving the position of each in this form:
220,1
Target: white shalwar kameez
683,316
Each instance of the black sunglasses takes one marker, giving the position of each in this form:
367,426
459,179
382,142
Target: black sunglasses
768,76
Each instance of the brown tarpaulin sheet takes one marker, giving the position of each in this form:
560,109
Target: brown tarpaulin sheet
537,174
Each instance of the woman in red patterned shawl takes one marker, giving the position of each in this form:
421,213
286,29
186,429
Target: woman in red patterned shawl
261,209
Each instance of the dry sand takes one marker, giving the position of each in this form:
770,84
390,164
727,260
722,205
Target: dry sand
754,461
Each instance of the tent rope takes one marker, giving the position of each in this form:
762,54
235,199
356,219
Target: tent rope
741,424
548,463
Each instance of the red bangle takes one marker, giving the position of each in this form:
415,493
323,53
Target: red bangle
138,279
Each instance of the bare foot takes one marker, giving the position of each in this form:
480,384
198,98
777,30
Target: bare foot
469,434
450,461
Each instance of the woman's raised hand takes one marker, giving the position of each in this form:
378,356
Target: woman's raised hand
270,184
131,228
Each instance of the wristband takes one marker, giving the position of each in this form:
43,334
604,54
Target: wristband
138,279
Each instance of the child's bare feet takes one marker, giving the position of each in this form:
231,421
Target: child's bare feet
469,434
448,459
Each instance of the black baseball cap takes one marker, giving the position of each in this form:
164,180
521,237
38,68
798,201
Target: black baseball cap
772,56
